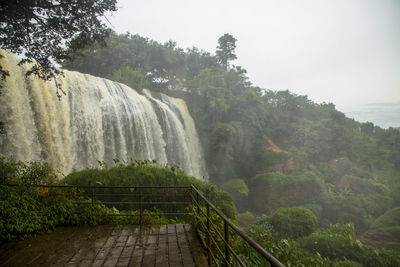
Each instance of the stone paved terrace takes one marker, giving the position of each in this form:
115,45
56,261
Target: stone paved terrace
172,245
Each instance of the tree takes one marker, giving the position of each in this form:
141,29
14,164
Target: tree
226,50
40,30
133,78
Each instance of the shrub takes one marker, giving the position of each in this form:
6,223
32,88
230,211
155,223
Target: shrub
146,173
236,185
270,191
285,250
27,210
31,173
294,222
246,218
239,191
388,219
339,241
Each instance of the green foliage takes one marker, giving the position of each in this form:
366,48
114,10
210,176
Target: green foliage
335,246
236,185
246,219
31,173
262,227
294,222
226,50
356,200
285,250
339,241
40,30
27,210
344,171
133,78
164,65
388,219
270,191
147,173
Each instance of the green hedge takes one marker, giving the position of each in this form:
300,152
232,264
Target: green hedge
148,173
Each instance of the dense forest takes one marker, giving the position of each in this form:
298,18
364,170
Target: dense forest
269,149
312,186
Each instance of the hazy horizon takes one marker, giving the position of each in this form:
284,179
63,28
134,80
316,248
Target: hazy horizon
345,52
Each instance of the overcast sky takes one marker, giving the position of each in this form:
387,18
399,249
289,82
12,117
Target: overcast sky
342,51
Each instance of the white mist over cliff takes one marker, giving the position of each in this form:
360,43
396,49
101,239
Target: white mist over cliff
97,120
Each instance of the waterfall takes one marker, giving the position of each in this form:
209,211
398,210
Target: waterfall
97,120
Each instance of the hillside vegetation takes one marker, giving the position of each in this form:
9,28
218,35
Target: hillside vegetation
268,149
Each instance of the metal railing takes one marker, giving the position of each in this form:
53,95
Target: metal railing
137,201
217,233
215,236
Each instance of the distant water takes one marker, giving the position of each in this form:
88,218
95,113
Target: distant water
97,120
384,115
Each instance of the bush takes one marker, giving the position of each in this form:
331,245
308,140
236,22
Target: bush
236,185
239,191
246,219
147,173
270,191
389,219
293,222
285,250
27,210
339,241
31,173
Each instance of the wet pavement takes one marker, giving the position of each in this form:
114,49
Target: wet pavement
172,245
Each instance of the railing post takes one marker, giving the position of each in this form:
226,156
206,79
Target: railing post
92,196
197,203
226,230
208,235
190,208
191,195
140,206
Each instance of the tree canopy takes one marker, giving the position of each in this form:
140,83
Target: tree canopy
40,30
226,50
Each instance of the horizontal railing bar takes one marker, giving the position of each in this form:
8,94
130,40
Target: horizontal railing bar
107,186
138,194
222,239
205,243
151,214
135,203
216,246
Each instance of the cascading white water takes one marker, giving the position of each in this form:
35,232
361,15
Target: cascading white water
97,120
